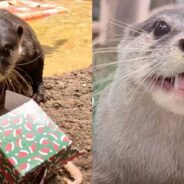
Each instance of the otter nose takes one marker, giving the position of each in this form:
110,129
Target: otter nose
181,44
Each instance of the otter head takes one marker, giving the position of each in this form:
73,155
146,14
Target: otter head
152,56
10,41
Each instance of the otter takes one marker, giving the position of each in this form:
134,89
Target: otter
138,135
21,57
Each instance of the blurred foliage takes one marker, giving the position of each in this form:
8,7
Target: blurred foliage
102,74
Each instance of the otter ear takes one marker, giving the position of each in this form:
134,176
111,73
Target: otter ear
20,31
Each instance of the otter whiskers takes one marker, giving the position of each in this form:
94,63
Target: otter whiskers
133,92
12,82
124,27
127,25
29,62
122,61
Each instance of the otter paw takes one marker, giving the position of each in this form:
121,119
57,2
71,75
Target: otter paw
39,97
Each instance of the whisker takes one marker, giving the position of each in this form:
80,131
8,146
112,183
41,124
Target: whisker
133,95
25,73
125,49
154,82
162,83
6,83
21,64
24,84
13,79
124,27
105,48
127,24
125,77
122,61
132,91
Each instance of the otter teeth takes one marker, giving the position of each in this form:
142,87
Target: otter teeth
179,82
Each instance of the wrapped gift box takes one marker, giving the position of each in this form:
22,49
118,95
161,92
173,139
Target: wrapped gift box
31,144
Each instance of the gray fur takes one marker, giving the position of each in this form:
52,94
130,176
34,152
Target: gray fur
135,140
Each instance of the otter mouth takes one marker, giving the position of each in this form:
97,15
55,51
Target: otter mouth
173,84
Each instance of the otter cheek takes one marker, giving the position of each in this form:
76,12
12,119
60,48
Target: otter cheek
6,66
169,101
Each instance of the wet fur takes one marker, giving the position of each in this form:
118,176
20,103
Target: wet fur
136,138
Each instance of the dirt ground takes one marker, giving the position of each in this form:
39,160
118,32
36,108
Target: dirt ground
67,45
69,104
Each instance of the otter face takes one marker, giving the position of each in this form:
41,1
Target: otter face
153,58
10,39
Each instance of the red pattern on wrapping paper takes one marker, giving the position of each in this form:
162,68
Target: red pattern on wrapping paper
45,142
37,156
23,166
26,166
7,132
22,154
29,125
45,150
53,134
33,147
40,129
55,146
18,132
7,176
17,142
9,147
5,122
11,161
66,139
17,120
30,135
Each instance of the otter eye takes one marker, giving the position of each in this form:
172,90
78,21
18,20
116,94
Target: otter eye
161,29
6,52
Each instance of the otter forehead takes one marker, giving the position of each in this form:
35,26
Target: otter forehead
8,33
175,13
173,17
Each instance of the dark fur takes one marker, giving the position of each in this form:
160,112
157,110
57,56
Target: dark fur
31,60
